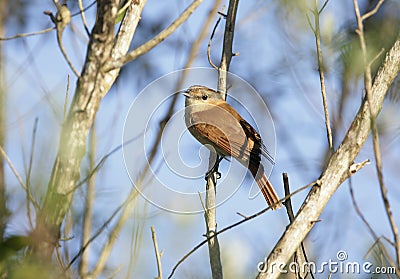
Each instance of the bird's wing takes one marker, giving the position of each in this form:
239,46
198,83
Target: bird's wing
220,126
256,146
259,147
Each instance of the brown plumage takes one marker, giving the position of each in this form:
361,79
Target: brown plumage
213,121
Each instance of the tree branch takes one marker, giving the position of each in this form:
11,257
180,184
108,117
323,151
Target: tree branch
337,169
374,126
149,45
244,220
317,33
156,251
91,87
211,190
227,47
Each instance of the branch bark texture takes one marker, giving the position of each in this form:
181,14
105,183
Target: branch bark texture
92,86
211,190
337,169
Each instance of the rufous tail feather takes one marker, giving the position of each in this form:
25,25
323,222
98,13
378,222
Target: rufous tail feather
268,191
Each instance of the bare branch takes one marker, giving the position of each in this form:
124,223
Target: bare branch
337,169
323,7
29,172
158,254
209,43
91,88
372,12
66,99
359,212
97,233
61,20
300,255
317,33
211,178
227,46
374,127
357,166
377,239
246,219
22,35
87,216
210,217
146,47
82,12
125,208
19,178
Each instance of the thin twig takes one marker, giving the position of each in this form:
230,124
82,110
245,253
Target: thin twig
63,18
196,45
146,47
374,128
211,190
371,230
158,254
22,35
19,178
337,170
376,57
227,53
97,233
209,43
101,163
288,202
323,6
301,250
67,228
317,33
355,167
133,194
87,216
85,9
82,12
29,172
66,99
372,12
259,213
126,211
241,214
359,212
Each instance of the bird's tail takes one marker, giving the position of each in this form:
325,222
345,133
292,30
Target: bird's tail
266,188
268,191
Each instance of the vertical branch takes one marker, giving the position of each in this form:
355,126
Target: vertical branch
337,169
300,256
87,221
82,12
158,254
227,46
29,172
210,216
91,88
374,127
210,212
317,33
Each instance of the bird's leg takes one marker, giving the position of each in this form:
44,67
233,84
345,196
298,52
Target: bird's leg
214,168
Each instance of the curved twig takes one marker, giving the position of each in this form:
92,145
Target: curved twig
146,47
244,220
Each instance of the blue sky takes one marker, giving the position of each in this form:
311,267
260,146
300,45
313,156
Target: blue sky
277,57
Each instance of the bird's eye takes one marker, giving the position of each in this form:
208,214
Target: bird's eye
204,97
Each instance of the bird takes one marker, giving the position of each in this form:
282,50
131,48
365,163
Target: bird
217,125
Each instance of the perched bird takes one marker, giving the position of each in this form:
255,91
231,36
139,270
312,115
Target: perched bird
212,121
